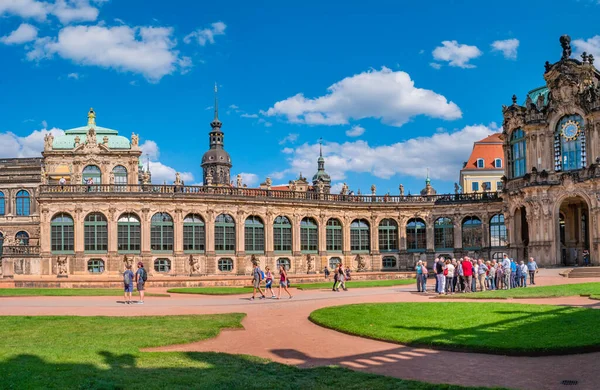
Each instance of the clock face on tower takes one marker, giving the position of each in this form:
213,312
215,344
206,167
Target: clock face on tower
570,130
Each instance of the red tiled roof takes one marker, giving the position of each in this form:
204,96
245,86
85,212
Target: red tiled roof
489,149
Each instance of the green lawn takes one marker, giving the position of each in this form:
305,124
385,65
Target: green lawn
68,292
500,328
355,284
104,353
212,290
564,290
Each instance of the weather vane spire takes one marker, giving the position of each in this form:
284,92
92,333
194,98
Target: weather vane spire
216,103
321,147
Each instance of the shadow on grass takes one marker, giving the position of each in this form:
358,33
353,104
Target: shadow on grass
188,371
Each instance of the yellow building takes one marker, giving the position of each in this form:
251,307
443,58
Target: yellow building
484,170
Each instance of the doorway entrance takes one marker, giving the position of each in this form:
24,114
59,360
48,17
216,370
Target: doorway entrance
573,229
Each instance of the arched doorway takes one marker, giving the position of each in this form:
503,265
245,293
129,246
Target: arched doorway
573,230
521,228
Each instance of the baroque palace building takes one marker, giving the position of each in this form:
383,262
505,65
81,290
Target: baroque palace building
88,205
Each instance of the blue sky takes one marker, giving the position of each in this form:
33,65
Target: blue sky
392,87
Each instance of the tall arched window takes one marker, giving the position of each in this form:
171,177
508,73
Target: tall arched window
518,148
120,175
388,235
309,235
2,207
416,235
472,234
1,244
224,233
569,144
194,234
498,231
282,234
254,235
22,203
443,234
95,233
129,234
62,234
333,233
22,238
360,236
91,172
161,233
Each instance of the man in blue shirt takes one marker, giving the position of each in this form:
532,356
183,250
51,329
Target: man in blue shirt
513,273
532,267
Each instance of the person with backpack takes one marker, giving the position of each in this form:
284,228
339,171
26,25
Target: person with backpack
283,282
257,276
128,283
140,278
269,282
326,272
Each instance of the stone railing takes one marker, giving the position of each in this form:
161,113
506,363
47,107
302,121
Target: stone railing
19,250
199,191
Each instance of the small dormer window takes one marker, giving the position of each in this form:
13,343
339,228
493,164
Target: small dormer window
480,163
498,163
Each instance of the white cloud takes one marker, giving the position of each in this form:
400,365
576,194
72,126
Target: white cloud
206,35
233,107
443,153
590,46
291,138
388,95
45,124
66,11
456,54
435,65
287,150
355,131
250,179
73,76
145,50
336,188
508,47
150,149
11,145
24,33
246,115
162,173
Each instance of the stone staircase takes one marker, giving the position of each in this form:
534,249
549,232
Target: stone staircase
583,272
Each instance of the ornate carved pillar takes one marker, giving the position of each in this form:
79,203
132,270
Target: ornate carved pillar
374,229
457,228
430,233
178,232
346,221
268,221
78,226
485,225
112,230
402,219
240,242
210,233
146,251
322,223
296,235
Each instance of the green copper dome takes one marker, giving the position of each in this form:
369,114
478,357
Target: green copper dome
535,93
67,141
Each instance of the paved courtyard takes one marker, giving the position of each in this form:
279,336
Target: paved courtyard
281,331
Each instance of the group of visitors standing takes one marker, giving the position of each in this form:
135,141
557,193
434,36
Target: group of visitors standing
470,275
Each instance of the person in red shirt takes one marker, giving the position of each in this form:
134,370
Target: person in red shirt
467,273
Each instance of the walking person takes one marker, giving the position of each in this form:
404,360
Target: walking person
341,278
128,283
506,271
437,283
256,279
518,275
335,278
475,275
140,279
425,276
326,273
269,282
532,268
459,276
440,277
513,273
283,282
492,275
467,268
419,271
586,257
481,274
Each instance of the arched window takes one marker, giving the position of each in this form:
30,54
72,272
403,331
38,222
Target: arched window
416,235
498,163
161,233
95,233
254,235
569,144
333,233
388,235
225,265
22,202
480,163
129,236
518,148
194,234
334,261
282,235
22,238
91,172
95,266
120,175
309,235
389,262
225,233
360,236
498,231
285,262
2,207
162,265
62,234
443,234
472,234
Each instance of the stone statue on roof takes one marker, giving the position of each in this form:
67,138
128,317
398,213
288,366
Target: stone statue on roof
268,182
92,117
401,188
344,190
565,42
177,181
135,139
238,180
48,140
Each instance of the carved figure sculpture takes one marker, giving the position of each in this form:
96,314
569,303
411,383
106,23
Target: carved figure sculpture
401,188
373,189
91,137
565,42
268,182
344,190
77,141
128,260
209,179
310,267
456,188
177,181
361,265
254,260
238,180
145,177
194,265
48,140
105,140
135,139
61,266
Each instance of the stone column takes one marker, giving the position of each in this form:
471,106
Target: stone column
209,226
268,222
457,233
374,230
346,236
296,235
178,233
78,236
146,226
240,242
485,225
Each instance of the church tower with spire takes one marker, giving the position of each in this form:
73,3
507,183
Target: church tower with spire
321,179
216,163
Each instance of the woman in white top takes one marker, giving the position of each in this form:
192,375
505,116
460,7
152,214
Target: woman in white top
449,271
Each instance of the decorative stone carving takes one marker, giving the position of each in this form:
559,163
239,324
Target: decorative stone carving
239,180
401,188
344,190
310,264
62,266
145,177
128,260
77,141
269,183
105,140
90,139
194,265
361,265
48,140
254,260
456,189
177,181
135,140
373,189
209,179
